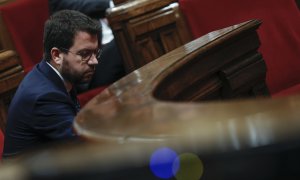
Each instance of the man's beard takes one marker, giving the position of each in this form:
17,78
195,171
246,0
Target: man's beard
70,75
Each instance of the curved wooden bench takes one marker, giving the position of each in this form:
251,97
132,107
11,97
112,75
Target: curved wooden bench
140,107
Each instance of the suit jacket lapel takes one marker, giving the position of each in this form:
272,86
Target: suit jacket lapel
53,77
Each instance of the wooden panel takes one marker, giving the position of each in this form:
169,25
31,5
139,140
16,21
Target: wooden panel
170,39
151,21
157,25
243,75
124,47
147,50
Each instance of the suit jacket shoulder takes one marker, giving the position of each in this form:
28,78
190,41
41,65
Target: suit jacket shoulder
40,111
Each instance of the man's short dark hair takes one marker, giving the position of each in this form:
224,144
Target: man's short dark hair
61,28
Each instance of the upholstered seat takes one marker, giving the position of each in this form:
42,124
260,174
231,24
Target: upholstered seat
24,21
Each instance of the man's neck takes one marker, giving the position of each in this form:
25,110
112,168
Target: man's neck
67,84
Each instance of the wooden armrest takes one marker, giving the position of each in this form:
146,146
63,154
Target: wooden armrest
11,74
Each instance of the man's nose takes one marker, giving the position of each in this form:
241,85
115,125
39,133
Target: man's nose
93,60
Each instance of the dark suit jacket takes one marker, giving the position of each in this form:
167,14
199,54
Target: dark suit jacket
41,111
93,8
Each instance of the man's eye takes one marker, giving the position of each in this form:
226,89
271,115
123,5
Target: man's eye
84,54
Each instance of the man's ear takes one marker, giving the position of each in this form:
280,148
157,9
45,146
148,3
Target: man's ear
56,56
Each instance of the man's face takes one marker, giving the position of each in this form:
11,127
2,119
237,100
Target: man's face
73,68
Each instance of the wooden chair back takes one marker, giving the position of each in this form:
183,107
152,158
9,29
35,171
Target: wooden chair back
144,34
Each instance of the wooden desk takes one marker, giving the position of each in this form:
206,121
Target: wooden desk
141,107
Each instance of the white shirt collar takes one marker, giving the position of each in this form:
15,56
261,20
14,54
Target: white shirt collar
55,70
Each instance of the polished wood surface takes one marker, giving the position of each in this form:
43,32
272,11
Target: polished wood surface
144,34
141,107
11,74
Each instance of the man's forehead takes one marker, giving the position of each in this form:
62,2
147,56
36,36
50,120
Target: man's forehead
84,39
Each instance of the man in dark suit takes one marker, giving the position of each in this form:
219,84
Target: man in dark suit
45,103
111,67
